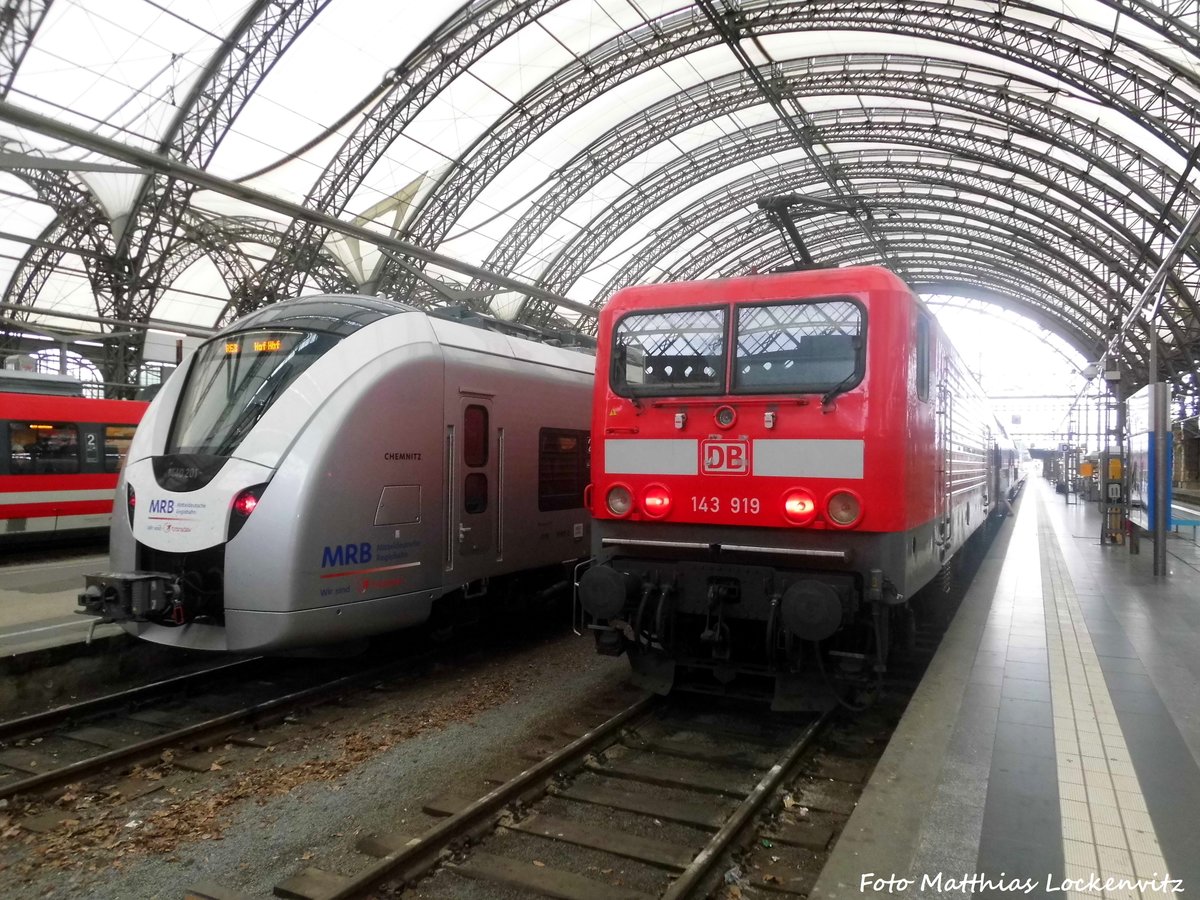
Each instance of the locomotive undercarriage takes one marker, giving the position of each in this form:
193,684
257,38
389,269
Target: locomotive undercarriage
807,635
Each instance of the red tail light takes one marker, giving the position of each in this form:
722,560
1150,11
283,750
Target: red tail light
799,507
245,502
130,502
656,501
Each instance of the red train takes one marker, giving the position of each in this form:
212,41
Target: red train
778,462
59,466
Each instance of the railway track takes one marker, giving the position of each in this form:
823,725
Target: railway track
662,799
181,715
648,803
619,804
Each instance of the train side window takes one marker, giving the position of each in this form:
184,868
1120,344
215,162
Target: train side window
117,439
475,436
475,493
923,353
42,448
564,468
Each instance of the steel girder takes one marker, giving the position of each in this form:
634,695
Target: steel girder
939,238
80,225
264,33
1152,96
1148,87
1081,232
897,186
222,238
142,262
19,23
960,150
473,32
1025,118
736,198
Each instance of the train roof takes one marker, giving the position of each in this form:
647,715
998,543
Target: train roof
773,286
343,314
452,333
340,314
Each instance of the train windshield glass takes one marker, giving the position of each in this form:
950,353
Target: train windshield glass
811,347
234,380
678,351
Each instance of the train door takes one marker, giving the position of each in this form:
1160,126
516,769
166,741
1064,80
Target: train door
473,490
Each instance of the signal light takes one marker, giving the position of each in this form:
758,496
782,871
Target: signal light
843,509
619,500
130,502
799,506
656,501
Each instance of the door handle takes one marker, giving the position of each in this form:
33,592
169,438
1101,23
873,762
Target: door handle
462,532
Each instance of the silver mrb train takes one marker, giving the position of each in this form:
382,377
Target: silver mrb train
329,467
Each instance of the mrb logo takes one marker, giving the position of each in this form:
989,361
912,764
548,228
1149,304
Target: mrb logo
724,457
345,555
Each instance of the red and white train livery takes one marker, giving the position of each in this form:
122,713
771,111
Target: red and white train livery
779,462
59,467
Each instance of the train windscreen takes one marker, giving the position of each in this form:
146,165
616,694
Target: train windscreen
234,380
673,351
810,346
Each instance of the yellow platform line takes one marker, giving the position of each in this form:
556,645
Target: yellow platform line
1107,830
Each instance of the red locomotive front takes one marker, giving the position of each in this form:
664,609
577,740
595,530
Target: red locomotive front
765,480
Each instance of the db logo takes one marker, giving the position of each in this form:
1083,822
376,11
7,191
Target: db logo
720,457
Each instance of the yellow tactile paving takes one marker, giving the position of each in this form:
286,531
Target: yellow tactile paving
1106,829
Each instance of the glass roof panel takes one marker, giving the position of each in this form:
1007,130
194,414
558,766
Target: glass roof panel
124,70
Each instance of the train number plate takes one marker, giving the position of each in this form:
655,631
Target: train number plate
738,506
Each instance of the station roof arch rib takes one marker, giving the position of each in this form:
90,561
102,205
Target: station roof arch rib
1030,155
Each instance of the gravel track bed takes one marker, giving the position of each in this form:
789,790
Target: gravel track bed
305,801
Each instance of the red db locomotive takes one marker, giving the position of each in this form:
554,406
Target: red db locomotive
778,462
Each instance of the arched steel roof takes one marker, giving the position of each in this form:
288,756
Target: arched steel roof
1031,155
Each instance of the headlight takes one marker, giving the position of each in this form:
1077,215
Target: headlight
843,508
619,500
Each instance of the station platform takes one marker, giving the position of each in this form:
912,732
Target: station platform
1053,746
38,603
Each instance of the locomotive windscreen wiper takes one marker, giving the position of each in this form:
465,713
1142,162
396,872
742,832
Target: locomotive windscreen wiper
845,384
838,388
